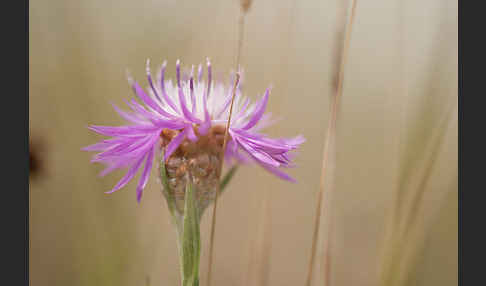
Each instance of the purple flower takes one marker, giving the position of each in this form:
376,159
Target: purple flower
168,115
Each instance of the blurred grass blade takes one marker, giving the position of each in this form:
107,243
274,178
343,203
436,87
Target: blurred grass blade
227,178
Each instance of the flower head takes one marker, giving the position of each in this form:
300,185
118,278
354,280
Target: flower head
186,120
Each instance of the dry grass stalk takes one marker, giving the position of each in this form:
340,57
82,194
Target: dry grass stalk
326,261
245,5
241,32
213,221
330,135
342,8
241,25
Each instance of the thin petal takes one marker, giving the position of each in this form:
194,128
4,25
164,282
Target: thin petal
129,175
127,116
193,98
167,99
299,139
142,111
257,154
225,105
182,98
106,144
174,144
278,173
149,78
199,73
126,147
148,100
100,146
161,122
210,78
118,165
187,114
265,122
129,130
259,110
145,174
242,110
275,146
130,149
204,128
190,133
178,73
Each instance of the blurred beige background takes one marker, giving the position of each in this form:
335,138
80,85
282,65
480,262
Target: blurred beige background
400,78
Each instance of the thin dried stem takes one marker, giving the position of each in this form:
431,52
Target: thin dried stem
331,131
241,26
342,8
330,222
147,280
241,32
245,5
213,221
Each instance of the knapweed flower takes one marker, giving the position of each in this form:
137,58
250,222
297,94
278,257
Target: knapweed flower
185,121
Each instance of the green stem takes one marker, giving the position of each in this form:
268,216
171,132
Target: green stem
187,227
190,239
187,224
